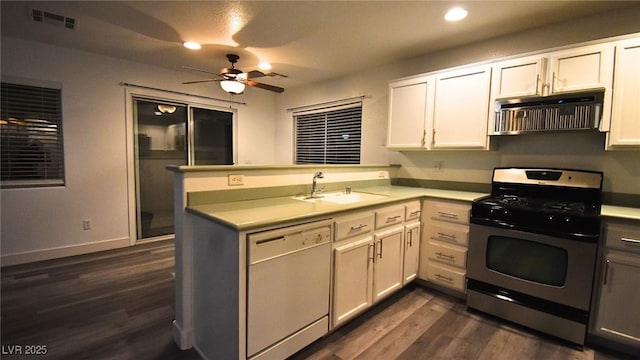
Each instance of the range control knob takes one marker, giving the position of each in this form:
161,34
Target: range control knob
551,219
499,213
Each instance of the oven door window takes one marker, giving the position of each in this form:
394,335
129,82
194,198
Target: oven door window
527,260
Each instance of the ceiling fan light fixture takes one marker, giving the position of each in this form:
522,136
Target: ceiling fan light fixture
166,109
263,65
232,87
192,45
456,14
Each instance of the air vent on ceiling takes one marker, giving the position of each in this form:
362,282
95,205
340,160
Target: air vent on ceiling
46,17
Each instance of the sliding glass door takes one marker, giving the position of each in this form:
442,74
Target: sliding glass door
167,133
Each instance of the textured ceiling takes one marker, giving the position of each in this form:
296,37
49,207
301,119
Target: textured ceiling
307,40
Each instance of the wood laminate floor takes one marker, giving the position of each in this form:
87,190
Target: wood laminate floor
119,305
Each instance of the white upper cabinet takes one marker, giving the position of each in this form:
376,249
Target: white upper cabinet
577,69
460,109
519,77
582,68
442,111
625,113
410,103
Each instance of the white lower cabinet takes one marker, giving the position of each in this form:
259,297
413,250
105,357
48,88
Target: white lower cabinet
617,318
443,248
371,262
388,262
353,278
411,251
619,296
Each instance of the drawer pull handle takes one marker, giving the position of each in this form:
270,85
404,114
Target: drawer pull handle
447,215
606,272
393,218
445,278
631,241
447,236
448,257
414,213
358,228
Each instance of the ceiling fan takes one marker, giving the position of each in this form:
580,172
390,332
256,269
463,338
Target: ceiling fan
233,80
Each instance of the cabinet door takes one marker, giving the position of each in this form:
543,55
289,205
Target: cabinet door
519,77
460,109
408,104
582,68
625,112
353,276
617,317
411,252
388,263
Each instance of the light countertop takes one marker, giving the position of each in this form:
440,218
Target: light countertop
251,214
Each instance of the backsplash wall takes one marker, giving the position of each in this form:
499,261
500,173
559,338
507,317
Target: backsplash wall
582,150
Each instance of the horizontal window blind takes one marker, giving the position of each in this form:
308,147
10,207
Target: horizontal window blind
329,136
31,147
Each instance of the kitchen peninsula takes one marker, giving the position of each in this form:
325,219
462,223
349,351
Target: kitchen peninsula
217,224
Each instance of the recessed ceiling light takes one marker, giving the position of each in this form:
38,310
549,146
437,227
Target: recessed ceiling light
264,66
455,14
191,45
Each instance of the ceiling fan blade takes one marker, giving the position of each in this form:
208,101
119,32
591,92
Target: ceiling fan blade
199,81
200,70
277,74
264,86
255,74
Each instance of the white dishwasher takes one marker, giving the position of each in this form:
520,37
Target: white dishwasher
288,289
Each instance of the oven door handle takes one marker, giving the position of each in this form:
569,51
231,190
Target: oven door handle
606,271
631,241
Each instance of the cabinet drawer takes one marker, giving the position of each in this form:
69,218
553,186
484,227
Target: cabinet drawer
446,276
351,225
449,212
447,254
412,211
451,233
389,216
623,237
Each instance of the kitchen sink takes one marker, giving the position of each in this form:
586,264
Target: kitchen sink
340,197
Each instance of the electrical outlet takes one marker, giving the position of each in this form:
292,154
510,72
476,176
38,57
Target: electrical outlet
438,166
86,224
235,180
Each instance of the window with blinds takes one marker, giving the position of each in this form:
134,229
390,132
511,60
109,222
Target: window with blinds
31,145
329,135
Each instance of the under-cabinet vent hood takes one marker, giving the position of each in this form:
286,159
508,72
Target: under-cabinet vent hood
570,111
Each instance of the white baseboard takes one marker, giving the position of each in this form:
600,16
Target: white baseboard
64,251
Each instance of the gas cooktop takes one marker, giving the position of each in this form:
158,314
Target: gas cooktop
556,202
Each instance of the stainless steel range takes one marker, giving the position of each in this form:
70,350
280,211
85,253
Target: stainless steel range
532,249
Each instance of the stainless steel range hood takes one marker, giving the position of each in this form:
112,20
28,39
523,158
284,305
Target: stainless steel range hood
569,111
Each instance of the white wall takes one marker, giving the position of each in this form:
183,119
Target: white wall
47,222
576,150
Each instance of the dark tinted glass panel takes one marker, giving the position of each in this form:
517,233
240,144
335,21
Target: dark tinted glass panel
213,137
527,260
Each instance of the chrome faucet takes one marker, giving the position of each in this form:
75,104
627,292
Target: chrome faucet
314,186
